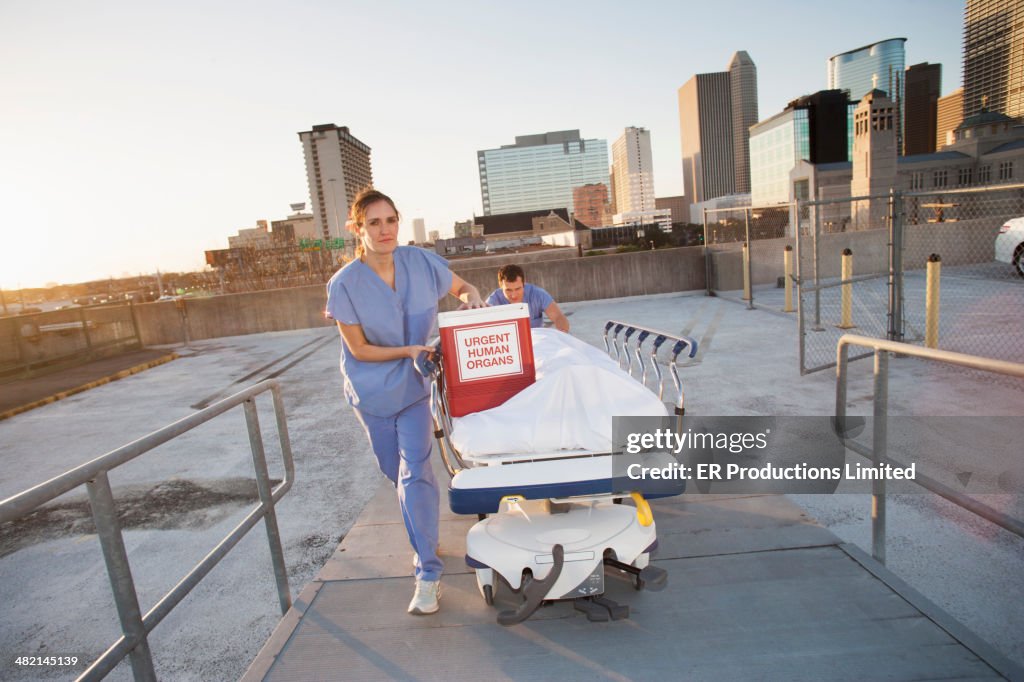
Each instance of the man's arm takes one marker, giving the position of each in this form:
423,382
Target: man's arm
557,318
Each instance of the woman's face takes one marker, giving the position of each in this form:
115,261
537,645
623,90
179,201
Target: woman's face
379,230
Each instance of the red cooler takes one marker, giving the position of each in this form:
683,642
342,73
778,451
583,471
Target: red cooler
487,355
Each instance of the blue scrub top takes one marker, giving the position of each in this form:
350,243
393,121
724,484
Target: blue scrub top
536,298
402,316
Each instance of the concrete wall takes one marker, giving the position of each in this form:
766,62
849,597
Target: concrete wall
568,279
232,314
459,264
607,276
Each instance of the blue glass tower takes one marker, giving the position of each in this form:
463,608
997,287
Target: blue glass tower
878,66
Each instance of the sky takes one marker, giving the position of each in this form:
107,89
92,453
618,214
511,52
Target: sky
135,135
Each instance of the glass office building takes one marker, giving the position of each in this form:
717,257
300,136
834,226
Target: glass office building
877,66
776,145
540,171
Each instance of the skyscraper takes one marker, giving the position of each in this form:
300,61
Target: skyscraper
634,173
716,111
878,66
337,167
419,231
923,83
994,57
743,82
540,171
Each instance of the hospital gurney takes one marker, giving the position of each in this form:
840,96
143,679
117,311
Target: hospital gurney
551,522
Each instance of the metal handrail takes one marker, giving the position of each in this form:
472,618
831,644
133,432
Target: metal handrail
93,475
878,453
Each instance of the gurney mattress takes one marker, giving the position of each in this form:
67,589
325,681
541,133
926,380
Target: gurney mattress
570,407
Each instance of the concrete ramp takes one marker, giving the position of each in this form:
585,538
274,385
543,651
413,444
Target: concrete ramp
757,590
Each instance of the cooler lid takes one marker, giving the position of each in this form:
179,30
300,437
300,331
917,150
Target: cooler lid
494,313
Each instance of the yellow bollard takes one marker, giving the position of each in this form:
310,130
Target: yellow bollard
931,302
847,296
787,265
746,272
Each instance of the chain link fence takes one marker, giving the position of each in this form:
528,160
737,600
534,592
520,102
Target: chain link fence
981,297
889,240
851,233
39,340
861,265
766,233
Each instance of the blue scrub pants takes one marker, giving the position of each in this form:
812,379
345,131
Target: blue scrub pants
402,444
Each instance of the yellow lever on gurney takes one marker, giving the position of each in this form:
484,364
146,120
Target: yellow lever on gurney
643,509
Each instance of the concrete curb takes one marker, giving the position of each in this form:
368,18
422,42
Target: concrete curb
85,387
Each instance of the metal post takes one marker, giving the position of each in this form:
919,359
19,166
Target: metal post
897,219
259,460
879,449
748,289
800,311
746,272
842,359
104,514
894,331
931,302
817,291
787,281
846,296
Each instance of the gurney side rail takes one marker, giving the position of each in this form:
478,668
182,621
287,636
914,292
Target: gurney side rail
430,366
681,343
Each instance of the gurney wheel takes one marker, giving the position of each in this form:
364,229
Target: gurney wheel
641,562
485,583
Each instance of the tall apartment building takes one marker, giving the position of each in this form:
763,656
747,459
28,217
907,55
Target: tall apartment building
715,113
540,171
337,167
922,87
994,57
743,83
949,114
634,171
419,231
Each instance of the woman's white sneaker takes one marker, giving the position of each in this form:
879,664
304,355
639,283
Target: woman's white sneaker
424,601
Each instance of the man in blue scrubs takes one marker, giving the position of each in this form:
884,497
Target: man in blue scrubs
385,303
512,288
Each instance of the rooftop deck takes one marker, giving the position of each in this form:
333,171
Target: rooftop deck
757,587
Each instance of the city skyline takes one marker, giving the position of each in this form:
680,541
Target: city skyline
135,138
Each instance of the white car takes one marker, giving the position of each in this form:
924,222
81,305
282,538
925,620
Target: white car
1010,244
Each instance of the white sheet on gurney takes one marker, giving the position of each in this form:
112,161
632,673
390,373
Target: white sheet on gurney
570,406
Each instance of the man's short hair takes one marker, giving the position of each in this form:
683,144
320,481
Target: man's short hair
510,273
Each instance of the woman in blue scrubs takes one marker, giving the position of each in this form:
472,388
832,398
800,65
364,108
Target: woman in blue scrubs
385,304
